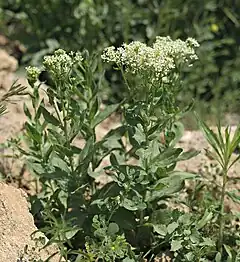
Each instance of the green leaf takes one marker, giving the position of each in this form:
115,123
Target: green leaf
212,140
36,167
133,205
227,142
101,116
188,155
221,141
189,256
87,150
172,227
49,117
235,197
79,94
113,160
205,219
176,245
207,242
228,250
238,254
58,175
125,219
139,135
153,129
218,257
235,141
234,161
46,151
160,229
127,259
181,175
111,142
166,158
169,185
56,136
26,111
63,198
60,163
33,133
113,229
165,190
230,14
162,216
63,150
71,233
178,130
108,190
195,237
94,109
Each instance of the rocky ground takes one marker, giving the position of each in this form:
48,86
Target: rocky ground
16,228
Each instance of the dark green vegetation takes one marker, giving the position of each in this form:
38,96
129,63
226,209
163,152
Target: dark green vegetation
44,26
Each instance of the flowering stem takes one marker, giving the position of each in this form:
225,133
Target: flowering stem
65,129
125,79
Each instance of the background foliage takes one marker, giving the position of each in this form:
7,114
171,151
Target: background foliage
74,25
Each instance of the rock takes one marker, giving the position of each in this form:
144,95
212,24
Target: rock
13,48
16,227
3,40
8,65
12,122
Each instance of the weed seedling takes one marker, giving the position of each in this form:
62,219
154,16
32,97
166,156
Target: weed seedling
224,145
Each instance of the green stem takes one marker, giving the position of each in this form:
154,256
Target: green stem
222,221
141,217
125,80
65,129
153,95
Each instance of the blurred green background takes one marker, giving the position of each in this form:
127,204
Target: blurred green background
43,25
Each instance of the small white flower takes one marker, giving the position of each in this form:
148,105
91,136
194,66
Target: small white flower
192,42
78,57
152,62
60,63
32,73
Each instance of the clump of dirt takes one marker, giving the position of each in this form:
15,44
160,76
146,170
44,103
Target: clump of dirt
8,65
16,227
12,122
13,48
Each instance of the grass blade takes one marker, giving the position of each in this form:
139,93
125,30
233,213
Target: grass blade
212,139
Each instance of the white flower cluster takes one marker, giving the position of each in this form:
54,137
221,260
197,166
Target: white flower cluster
156,61
61,63
178,49
32,73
